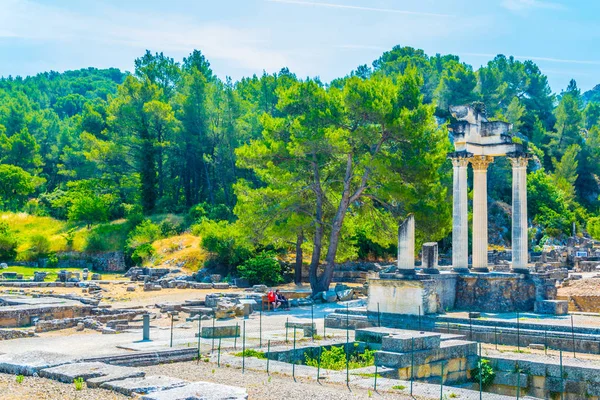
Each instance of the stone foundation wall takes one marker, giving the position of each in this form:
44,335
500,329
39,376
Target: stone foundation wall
495,293
400,296
16,317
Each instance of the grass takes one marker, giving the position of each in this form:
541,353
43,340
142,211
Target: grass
399,387
182,248
78,382
20,378
251,353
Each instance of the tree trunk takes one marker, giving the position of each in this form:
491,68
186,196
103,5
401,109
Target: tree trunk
298,266
318,240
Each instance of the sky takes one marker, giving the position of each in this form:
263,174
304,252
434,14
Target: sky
313,38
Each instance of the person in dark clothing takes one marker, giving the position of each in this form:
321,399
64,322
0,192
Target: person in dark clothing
281,299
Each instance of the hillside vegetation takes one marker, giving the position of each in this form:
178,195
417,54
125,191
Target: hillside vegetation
173,160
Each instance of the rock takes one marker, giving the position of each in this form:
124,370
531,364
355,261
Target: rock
329,296
200,391
131,288
345,295
215,278
239,310
80,326
474,314
294,303
226,309
260,288
96,277
108,331
223,285
3,265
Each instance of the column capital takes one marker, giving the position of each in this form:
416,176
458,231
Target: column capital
459,161
519,161
480,163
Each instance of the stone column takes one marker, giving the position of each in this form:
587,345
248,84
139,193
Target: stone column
429,258
460,216
480,213
406,246
520,254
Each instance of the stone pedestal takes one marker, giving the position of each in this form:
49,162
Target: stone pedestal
406,246
146,327
519,213
480,213
460,216
429,258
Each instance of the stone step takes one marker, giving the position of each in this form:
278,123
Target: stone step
144,385
448,349
140,359
94,373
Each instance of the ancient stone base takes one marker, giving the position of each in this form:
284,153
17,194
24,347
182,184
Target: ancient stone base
553,307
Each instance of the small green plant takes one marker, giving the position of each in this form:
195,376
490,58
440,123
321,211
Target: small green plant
483,372
370,394
317,337
398,387
335,359
251,353
20,378
78,383
453,395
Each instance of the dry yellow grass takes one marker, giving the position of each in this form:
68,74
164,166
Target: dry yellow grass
176,249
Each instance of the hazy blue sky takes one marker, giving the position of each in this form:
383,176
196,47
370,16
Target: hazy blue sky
313,38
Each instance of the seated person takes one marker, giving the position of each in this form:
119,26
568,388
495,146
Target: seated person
282,300
272,298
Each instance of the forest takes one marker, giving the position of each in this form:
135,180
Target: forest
277,164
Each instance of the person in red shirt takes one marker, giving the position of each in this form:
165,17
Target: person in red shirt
272,297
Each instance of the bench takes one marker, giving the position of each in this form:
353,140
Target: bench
288,295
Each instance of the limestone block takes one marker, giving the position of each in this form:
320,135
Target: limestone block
95,373
403,342
511,379
31,362
144,385
200,391
553,307
131,288
208,332
329,296
345,295
223,285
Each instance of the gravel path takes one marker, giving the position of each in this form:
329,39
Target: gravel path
260,386
45,389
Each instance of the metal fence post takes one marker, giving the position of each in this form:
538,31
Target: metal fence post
199,334
518,334
294,357
573,336
562,382
212,348
412,363
312,322
171,345
244,347
260,326
378,316
219,355
442,382
286,329
237,332
268,355
319,365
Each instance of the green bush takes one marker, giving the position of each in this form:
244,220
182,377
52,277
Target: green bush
171,226
251,353
227,247
593,227
39,246
142,253
335,359
139,242
483,372
262,269
8,243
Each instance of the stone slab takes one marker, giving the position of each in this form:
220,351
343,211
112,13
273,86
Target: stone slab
144,385
31,362
209,332
200,391
94,373
403,341
553,307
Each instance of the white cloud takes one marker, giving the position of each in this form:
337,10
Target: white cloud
246,48
524,5
359,8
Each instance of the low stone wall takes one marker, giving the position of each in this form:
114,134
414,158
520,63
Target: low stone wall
17,316
8,334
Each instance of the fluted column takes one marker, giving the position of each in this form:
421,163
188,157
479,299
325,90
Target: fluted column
520,253
480,213
460,216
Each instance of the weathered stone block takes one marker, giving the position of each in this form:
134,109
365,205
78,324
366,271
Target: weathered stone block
95,373
145,385
553,307
220,331
410,340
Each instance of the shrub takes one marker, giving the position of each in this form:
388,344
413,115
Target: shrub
20,378
262,269
227,247
335,359
593,227
139,242
95,242
39,246
483,372
251,353
171,226
8,243
142,253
